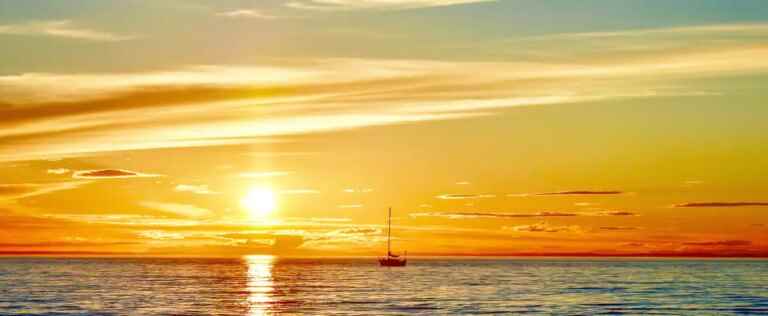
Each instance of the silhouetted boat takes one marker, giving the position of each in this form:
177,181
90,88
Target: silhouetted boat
392,260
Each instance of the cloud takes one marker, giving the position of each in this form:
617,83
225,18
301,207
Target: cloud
298,191
58,171
61,29
724,29
639,42
247,13
350,206
74,114
720,243
70,242
273,154
357,190
616,213
543,227
344,238
110,174
320,219
24,190
197,189
265,174
721,204
159,234
469,215
617,228
580,192
357,231
126,219
340,5
177,209
16,189
464,196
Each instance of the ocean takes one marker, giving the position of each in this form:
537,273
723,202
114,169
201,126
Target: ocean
261,285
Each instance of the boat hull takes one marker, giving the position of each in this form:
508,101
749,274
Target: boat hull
391,262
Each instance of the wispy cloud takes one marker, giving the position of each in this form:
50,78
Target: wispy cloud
615,213
643,41
725,29
618,228
543,227
177,209
159,234
721,204
66,243
350,206
265,174
272,154
720,243
110,174
337,5
470,215
344,238
464,196
58,171
320,219
247,13
581,192
298,191
197,189
24,190
126,219
61,29
357,190
212,105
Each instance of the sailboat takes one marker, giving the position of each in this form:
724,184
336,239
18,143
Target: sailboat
392,260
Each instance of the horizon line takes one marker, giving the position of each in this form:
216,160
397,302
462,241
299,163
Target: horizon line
93,254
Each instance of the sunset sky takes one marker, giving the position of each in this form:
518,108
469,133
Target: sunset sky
538,127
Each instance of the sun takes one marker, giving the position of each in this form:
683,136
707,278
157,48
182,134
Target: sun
259,202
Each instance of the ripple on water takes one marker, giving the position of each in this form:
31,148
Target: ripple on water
264,285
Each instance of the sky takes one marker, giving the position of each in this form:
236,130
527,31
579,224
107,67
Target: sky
288,127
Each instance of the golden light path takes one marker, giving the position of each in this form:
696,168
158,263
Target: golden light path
260,284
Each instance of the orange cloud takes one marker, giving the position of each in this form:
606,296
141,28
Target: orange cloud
462,215
721,204
618,228
210,105
543,227
581,192
110,174
720,243
464,196
23,190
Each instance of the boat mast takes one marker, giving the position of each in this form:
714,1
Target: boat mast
389,232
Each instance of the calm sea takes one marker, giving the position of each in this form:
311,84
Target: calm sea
264,286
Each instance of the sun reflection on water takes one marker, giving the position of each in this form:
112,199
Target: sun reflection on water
260,284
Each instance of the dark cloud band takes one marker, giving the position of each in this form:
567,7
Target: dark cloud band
110,174
721,204
581,192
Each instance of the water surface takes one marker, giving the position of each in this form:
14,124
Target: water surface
265,286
